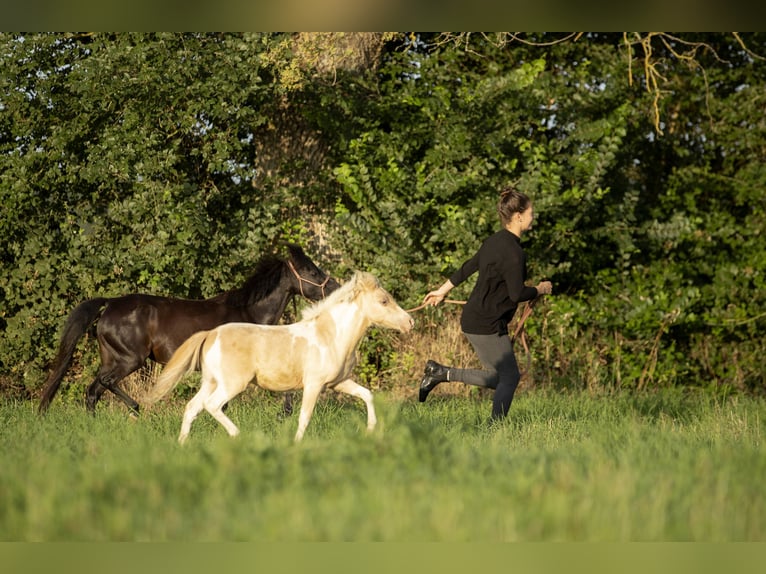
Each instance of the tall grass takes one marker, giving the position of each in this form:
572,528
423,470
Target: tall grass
565,466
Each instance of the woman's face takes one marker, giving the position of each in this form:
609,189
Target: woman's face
526,218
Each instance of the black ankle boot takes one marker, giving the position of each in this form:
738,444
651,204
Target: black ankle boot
433,375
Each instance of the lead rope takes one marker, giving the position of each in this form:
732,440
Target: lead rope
519,330
419,307
520,333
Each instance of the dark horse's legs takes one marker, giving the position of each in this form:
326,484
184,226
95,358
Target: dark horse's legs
93,394
287,406
112,371
99,386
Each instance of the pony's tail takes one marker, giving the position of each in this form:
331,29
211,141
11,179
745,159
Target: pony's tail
185,360
80,319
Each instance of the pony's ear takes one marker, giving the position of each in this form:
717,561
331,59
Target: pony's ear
365,281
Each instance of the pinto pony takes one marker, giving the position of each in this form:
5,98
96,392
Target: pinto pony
136,327
315,353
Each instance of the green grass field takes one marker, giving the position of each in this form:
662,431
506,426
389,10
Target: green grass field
666,466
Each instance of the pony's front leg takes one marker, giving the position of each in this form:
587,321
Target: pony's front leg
310,394
356,390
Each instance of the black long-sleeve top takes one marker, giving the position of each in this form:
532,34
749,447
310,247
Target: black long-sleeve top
499,288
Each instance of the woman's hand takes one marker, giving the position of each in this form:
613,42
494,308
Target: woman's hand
544,288
436,297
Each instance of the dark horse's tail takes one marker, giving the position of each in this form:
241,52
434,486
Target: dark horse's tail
80,319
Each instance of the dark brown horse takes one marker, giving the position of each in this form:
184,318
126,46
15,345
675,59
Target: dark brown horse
136,327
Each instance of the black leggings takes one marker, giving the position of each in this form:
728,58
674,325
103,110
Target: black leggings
502,371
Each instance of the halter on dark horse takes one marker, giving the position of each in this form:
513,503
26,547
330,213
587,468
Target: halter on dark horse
302,280
136,327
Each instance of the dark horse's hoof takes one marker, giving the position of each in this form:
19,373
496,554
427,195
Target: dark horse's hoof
287,406
433,374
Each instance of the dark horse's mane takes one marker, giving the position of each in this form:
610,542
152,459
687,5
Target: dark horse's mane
264,280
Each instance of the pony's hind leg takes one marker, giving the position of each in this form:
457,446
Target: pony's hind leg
193,408
214,405
356,390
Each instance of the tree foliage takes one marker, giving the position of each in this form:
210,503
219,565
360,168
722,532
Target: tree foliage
169,163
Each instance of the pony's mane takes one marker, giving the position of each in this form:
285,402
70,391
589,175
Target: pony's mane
359,282
263,281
